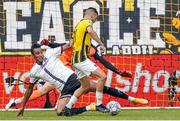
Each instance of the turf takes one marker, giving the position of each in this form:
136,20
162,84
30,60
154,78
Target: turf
125,114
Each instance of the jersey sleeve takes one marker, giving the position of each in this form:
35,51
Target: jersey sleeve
55,45
54,52
88,23
32,80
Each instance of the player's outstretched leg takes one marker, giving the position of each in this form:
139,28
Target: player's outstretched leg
117,93
47,87
67,111
139,101
76,111
10,104
61,110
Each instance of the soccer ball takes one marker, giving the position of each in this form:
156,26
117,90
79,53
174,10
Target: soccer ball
114,107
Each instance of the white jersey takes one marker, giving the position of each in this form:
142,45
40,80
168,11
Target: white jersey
52,69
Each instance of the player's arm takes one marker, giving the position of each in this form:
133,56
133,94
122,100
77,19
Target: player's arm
95,37
51,45
106,63
64,46
26,98
68,45
54,45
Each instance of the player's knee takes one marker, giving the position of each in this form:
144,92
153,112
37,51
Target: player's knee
59,113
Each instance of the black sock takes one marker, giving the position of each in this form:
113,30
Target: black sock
80,110
114,92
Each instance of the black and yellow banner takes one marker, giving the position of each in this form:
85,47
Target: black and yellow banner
127,27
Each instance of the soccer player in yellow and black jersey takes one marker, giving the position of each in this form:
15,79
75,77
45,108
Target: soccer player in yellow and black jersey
82,41
84,67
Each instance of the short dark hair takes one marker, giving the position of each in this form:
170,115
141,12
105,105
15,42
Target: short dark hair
36,45
91,8
84,11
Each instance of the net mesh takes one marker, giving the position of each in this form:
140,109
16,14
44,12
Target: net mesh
140,36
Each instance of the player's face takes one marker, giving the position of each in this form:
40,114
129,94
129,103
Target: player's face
38,54
94,17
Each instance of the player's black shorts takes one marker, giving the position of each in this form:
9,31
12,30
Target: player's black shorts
71,85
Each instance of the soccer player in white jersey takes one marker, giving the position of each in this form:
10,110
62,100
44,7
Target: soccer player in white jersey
51,69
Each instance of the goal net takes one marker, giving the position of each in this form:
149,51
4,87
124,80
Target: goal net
141,36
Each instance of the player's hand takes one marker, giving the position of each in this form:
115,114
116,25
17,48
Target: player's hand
71,42
126,74
21,111
45,42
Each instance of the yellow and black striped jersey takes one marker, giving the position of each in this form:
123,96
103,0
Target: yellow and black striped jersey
82,41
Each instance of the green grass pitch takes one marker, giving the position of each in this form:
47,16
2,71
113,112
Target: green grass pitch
125,114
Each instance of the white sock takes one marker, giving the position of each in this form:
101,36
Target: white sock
99,98
88,108
71,102
18,100
130,98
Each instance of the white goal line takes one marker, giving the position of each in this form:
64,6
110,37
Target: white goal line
44,109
